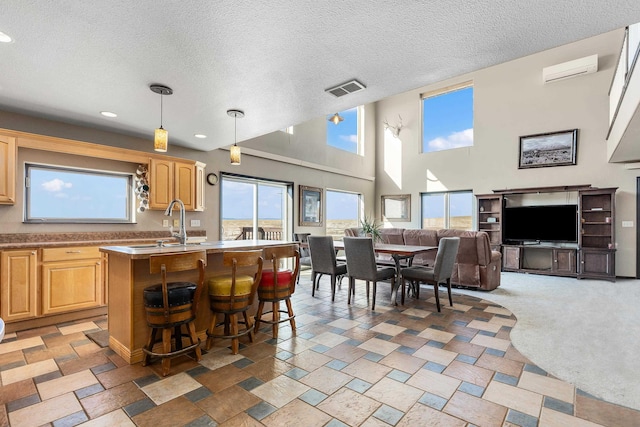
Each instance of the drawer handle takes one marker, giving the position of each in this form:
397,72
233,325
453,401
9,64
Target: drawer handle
74,252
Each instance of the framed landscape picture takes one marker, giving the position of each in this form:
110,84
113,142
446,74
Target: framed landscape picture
397,207
310,206
548,149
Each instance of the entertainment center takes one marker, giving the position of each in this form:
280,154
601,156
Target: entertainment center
560,231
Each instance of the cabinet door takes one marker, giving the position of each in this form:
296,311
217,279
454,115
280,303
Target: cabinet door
7,170
597,264
185,185
564,261
19,284
160,183
200,181
511,258
71,285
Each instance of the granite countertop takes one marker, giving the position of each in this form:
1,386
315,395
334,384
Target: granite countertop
56,240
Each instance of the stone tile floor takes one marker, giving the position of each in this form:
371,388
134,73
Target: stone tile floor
346,365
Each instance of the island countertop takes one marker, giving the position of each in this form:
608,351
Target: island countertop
128,274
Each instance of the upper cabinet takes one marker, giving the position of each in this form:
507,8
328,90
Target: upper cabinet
170,180
7,170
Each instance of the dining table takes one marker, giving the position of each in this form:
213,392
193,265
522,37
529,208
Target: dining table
399,253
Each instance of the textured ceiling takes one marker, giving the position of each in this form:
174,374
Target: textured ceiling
273,59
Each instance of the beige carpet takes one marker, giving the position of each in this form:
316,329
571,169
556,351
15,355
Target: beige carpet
586,332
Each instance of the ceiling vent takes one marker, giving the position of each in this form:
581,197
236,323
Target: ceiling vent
567,70
346,88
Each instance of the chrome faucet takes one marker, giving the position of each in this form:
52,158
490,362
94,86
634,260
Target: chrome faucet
182,233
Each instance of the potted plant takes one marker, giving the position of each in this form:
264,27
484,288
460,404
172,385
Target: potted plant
370,228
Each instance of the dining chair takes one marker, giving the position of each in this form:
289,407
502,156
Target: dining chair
323,261
305,255
171,305
278,284
440,273
233,293
361,264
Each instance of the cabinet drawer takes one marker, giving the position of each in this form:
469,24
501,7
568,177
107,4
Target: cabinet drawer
73,252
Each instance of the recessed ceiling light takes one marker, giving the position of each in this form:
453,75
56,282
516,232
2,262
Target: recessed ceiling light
108,114
200,135
5,38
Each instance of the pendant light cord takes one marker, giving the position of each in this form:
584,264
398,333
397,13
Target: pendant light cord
161,96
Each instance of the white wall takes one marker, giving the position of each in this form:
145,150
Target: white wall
510,100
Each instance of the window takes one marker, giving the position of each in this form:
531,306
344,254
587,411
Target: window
345,135
447,210
255,208
67,195
343,211
447,119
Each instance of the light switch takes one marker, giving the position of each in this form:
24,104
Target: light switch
165,222
176,223
195,223
627,223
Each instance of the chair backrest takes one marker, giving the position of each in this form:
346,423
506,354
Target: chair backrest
244,259
323,254
361,258
302,238
275,254
446,257
183,261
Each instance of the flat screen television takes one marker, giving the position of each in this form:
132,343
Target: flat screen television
548,223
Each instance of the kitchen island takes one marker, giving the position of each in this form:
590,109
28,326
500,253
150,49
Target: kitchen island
128,274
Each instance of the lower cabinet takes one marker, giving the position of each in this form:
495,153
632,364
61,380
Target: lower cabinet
539,259
71,279
511,257
564,262
597,264
19,284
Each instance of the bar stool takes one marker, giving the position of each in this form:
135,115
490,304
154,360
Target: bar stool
233,293
171,305
278,285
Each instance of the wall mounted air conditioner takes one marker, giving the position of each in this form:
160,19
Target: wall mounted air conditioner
567,70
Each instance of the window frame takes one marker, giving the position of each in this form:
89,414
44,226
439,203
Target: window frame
129,198
439,92
447,206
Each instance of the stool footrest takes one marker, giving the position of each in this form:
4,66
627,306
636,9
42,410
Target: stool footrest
271,322
173,353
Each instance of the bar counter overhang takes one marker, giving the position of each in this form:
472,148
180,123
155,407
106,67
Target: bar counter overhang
128,274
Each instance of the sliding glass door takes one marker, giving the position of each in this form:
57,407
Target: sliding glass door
253,208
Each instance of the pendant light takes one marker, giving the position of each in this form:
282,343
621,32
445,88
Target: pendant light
336,118
161,136
235,150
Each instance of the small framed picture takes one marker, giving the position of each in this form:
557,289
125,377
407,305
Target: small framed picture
396,207
310,206
548,149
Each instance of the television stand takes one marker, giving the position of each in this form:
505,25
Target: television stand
540,258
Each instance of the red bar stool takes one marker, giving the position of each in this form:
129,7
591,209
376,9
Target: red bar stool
171,305
231,294
278,285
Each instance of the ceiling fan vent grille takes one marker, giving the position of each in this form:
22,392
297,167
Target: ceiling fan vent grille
346,88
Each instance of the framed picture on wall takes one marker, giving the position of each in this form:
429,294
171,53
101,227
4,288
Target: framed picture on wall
310,206
548,149
396,207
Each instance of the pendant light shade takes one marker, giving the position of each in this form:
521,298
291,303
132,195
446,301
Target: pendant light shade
235,150
336,118
161,136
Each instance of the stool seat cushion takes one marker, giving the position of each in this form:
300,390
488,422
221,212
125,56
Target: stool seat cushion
221,285
285,277
179,293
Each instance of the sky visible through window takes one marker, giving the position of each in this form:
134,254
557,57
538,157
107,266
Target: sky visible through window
344,135
341,205
237,200
64,194
460,204
448,120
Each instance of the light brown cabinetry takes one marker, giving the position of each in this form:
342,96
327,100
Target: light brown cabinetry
71,279
597,234
7,170
170,180
19,284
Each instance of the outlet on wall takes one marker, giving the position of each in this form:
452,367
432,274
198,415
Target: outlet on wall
165,222
195,223
627,223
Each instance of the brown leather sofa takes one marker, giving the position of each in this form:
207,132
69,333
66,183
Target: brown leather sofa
476,266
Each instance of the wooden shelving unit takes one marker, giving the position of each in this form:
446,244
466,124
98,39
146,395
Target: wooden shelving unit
596,240
490,217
